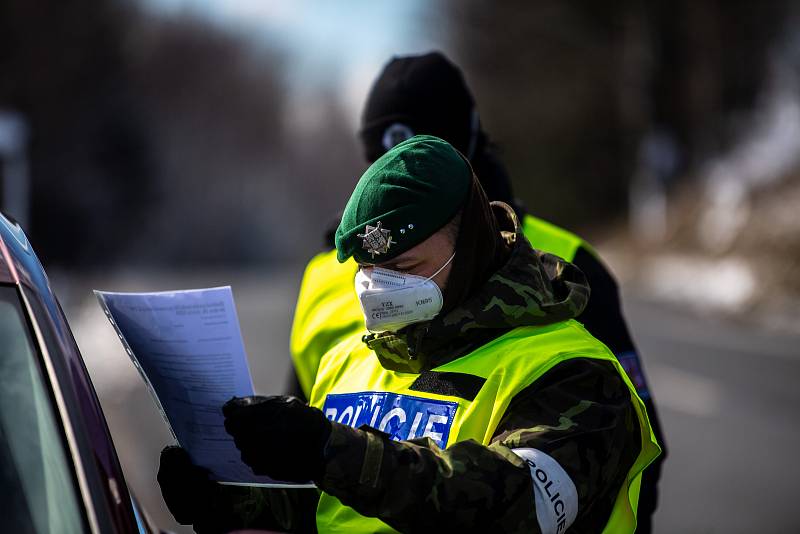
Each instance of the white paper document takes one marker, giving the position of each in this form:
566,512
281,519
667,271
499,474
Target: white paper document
188,347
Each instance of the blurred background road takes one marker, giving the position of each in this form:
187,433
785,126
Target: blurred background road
165,144
727,393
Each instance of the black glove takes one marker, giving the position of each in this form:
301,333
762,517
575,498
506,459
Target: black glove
279,436
186,488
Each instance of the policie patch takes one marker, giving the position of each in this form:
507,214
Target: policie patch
400,416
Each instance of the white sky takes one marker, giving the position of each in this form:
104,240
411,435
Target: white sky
344,43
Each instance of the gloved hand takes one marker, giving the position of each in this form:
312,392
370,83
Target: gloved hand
279,436
186,488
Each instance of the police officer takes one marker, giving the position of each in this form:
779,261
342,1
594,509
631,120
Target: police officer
476,401
428,94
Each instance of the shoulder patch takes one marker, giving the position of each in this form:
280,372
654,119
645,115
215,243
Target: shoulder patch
633,368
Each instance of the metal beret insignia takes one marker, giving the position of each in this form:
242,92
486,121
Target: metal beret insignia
376,240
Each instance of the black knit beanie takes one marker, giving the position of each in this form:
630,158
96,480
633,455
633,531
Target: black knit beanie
427,94
414,95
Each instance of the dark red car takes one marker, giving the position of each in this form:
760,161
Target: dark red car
59,471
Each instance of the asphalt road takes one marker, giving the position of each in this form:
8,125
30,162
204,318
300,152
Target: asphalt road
727,395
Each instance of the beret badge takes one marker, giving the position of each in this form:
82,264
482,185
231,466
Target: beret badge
376,239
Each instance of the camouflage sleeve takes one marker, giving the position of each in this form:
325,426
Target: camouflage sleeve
580,413
414,486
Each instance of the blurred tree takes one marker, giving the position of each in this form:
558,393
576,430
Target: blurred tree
153,139
62,66
568,89
214,104
708,64
545,77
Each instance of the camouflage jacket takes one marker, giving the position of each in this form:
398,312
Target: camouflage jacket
580,413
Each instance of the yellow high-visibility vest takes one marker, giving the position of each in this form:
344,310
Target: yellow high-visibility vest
352,388
327,311
553,239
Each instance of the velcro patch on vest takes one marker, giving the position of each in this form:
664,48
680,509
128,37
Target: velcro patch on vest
459,385
403,417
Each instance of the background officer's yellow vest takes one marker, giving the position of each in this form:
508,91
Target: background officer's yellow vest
327,309
553,239
353,388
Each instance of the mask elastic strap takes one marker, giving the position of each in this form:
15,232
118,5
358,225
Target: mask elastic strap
443,266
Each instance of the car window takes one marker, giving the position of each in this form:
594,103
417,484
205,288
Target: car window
36,481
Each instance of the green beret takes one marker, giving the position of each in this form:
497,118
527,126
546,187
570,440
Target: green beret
402,199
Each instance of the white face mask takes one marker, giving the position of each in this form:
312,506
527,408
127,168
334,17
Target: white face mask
391,300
